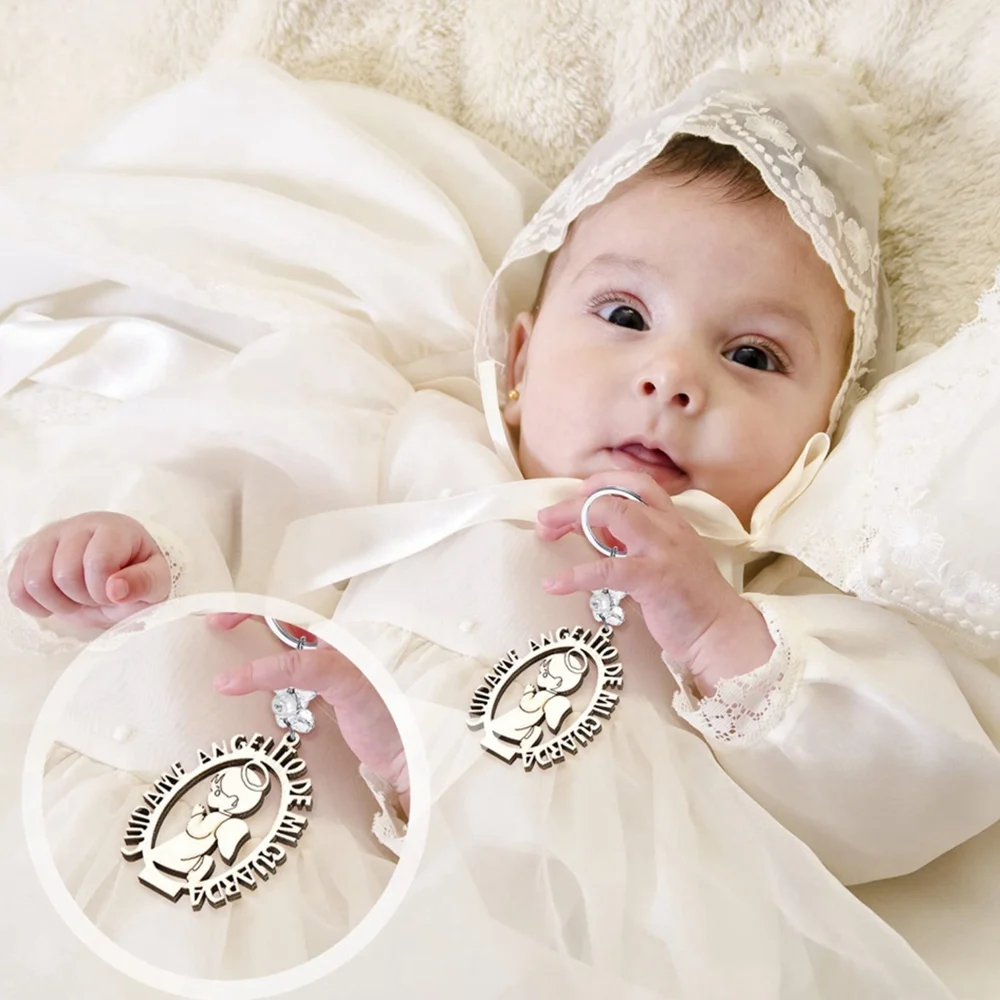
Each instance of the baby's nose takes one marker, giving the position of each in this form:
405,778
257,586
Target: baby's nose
674,380
649,388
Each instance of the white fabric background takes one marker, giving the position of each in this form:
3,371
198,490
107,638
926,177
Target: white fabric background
155,684
543,79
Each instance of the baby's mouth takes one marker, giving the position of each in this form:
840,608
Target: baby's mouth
653,456
640,456
648,455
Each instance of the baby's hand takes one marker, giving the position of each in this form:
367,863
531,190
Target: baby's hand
93,570
699,621
364,721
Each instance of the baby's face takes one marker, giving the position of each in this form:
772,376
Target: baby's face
697,340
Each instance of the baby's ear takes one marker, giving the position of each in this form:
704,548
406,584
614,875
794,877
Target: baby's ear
517,359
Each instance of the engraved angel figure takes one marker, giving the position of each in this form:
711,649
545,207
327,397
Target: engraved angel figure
233,792
544,702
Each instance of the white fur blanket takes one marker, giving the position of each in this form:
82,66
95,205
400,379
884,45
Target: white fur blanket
543,78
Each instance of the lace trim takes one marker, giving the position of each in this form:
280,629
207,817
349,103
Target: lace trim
745,121
389,825
744,709
886,546
175,553
44,636
36,405
841,241
21,630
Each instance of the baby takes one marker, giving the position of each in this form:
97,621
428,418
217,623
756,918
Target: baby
650,362
694,338
701,352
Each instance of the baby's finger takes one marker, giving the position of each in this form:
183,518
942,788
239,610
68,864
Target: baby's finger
68,570
108,614
148,582
564,519
38,580
109,551
560,519
226,620
323,670
633,527
613,574
297,633
640,483
16,589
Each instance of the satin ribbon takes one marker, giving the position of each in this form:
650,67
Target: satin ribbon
326,549
488,374
329,548
116,357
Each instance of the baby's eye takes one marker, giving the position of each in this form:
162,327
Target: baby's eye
751,356
622,315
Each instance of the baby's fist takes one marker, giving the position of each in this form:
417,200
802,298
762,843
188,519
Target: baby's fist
92,570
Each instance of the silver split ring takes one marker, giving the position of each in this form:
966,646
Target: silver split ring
588,531
296,642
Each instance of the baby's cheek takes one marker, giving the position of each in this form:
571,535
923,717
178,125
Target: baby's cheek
765,466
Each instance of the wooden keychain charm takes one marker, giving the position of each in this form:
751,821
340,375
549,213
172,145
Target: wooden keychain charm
557,663
238,775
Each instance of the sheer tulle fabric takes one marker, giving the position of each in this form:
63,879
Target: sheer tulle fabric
349,254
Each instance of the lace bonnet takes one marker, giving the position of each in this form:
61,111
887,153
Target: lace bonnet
814,136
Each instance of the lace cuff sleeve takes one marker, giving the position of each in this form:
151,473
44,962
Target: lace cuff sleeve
745,708
45,636
176,554
389,824
36,636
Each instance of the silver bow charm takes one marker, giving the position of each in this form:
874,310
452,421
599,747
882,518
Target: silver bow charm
606,606
290,711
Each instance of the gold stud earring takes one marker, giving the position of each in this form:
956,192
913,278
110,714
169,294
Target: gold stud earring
513,395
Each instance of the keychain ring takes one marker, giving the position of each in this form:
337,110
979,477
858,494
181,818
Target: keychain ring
300,642
588,531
